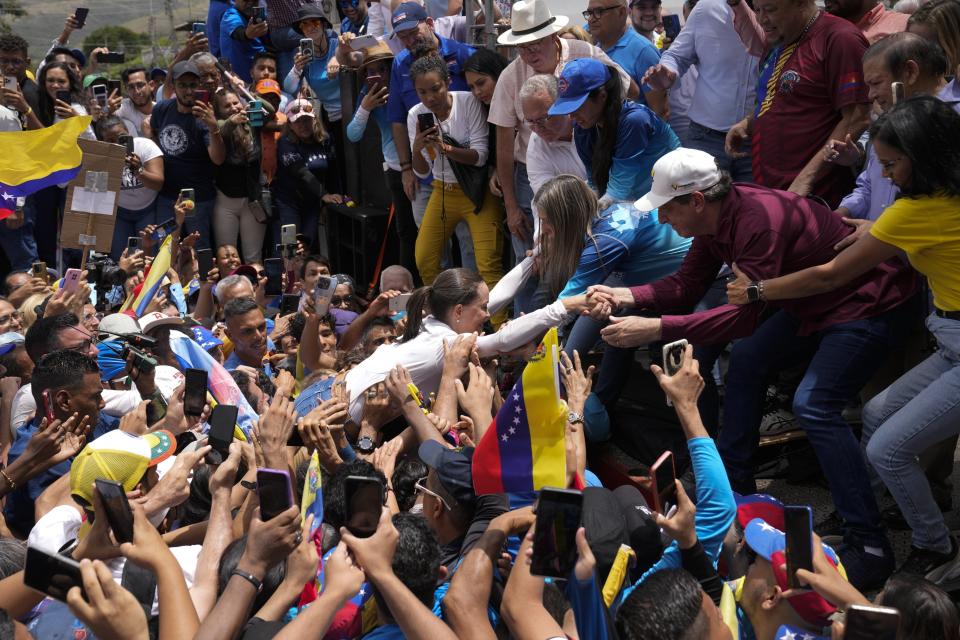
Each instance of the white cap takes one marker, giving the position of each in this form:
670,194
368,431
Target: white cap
678,173
156,319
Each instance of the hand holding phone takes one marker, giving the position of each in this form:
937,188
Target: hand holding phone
399,303
559,513
798,522
71,280
664,489
51,573
223,419
870,622
194,392
116,508
274,269
365,498
275,492
307,49
80,16
323,294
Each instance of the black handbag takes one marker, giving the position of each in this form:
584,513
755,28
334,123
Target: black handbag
472,179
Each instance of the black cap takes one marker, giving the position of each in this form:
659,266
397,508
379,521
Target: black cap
642,531
605,526
453,470
184,67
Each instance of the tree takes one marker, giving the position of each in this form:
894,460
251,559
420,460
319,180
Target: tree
115,38
9,9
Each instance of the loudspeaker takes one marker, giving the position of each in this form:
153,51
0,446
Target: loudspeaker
355,235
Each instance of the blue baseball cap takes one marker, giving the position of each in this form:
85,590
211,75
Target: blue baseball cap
9,342
578,78
408,15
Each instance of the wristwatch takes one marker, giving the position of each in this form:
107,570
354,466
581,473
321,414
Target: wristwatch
365,445
755,291
574,418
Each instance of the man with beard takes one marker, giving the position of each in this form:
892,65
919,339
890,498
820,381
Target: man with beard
136,107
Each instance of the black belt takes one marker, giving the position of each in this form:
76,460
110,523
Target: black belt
722,134
949,315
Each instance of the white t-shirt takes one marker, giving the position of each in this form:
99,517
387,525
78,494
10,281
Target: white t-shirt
9,119
467,124
134,196
132,117
546,160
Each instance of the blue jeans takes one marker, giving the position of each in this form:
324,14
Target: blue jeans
214,14
914,413
844,357
199,221
711,141
18,244
523,302
306,217
130,223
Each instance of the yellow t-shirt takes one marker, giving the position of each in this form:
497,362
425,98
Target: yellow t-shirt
928,230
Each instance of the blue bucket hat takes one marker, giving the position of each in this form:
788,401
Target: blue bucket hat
578,78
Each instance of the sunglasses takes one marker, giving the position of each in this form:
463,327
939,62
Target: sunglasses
337,301
422,489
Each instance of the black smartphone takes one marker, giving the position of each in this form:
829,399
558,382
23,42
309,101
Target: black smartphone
798,522
425,121
663,474
114,85
164,229
80,15
204,262
223,418
554,541
365,498
198,27
126,141
119,515
194,391
869,622
112,57
259,14
64,96
51,573
289,303
275,492
133,244
274,269
671,26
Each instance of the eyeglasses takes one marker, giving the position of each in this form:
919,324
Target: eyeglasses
14,316
539,122
595,14
536,45
419,487
337,301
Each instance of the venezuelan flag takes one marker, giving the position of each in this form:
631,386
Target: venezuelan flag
138,300
523,449
312,500
32,160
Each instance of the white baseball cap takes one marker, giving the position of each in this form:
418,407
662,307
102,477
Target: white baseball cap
678,173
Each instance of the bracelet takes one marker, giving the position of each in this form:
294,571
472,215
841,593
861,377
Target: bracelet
249,577
406,165
13,485
760,291
28,111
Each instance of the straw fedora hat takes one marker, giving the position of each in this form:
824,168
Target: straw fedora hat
531,20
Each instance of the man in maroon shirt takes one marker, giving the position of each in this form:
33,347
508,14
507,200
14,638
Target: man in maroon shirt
810,90
846,334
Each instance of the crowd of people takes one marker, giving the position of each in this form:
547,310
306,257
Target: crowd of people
766,194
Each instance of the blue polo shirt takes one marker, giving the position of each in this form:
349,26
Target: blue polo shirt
347,26
403,96
326,88
642,139
239,52
635,54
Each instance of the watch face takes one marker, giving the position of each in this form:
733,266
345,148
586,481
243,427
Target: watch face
753,293
365,444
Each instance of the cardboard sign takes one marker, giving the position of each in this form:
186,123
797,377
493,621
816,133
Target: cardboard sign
91,208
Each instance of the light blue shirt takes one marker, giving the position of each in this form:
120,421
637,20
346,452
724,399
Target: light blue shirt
326,88
359,124
725,91
635,54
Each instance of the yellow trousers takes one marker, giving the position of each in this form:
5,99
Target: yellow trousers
448,206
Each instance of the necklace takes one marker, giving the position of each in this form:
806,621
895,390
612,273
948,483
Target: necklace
773,68
808,25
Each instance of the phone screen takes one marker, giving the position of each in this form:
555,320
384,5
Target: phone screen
126,141
276,495
798,522
289,303
199,27
119,515
664,474
554,541
223,418
133,244
194,392
274,269
364,498
867,622
425,121
51,573
204,262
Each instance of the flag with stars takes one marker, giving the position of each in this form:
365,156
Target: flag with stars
32,160
523,449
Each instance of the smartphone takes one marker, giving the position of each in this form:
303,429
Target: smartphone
187,194
275,492
399,303
259,14
671,26
274,269
51,573
114,86
373,80
112,57
897,91
365,499
80,15
870,622
100,95
48,407
223,418
798,522
288,234
164,229
363,42
425,121
40,271
673,356
255,113
554,541
71,280
201,95
126,141
289,303
194,391
133,244
198,27
663,474
307,49
64,96
204,262
10,83
119,515
323,293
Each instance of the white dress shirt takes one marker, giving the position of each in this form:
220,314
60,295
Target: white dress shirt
726,87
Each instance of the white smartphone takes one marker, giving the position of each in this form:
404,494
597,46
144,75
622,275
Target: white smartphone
288,234
399,303
71,280
10,83
323,293
363,42
674,354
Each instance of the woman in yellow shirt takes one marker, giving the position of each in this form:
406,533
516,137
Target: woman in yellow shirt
918,146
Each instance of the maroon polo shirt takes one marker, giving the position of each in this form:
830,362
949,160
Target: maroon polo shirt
769,233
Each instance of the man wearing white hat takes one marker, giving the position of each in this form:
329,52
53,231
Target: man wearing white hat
766,232
534,31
